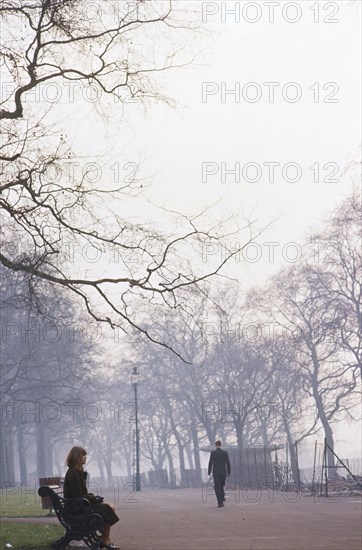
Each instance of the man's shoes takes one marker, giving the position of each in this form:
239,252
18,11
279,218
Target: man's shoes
109,546
220,505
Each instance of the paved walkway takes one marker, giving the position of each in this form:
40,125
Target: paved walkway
188,519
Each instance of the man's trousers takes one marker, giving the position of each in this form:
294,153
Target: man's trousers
219,484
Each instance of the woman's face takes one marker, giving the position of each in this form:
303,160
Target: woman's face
84,459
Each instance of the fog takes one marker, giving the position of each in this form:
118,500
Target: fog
199,221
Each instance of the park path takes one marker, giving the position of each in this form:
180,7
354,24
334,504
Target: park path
188,519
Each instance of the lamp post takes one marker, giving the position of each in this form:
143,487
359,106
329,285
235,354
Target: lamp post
135,374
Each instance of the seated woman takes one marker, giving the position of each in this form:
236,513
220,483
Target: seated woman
75,487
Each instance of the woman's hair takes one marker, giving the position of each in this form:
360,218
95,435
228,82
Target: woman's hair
74,458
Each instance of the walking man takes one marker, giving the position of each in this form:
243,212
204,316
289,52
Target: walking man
219,464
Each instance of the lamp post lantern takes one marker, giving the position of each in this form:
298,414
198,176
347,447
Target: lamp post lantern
135,375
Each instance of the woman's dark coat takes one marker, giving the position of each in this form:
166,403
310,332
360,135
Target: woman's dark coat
75,487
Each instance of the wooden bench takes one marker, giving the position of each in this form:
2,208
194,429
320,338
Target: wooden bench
77,517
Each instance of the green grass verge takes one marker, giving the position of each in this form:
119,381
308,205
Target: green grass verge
19,502
26,536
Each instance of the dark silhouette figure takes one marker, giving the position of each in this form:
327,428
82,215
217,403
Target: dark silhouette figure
219,465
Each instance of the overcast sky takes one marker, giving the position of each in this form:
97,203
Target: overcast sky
289,129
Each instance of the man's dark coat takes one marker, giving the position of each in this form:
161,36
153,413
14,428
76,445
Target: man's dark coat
219,462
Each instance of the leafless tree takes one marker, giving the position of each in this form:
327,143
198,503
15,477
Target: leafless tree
118,52
339,246
306,311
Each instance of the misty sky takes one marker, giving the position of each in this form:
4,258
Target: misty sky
313,138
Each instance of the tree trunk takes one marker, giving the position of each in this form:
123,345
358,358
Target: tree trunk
108,464
211,432
48,451
101,471
182,461
7,462
161,455
239,435
180,446
171,468
195,441
264,431
293,456
2,457
331,470
189,457
41,465
22,457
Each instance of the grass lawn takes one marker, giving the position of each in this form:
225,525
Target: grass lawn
28,536
20,503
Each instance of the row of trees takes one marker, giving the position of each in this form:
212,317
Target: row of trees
277,365
283,364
